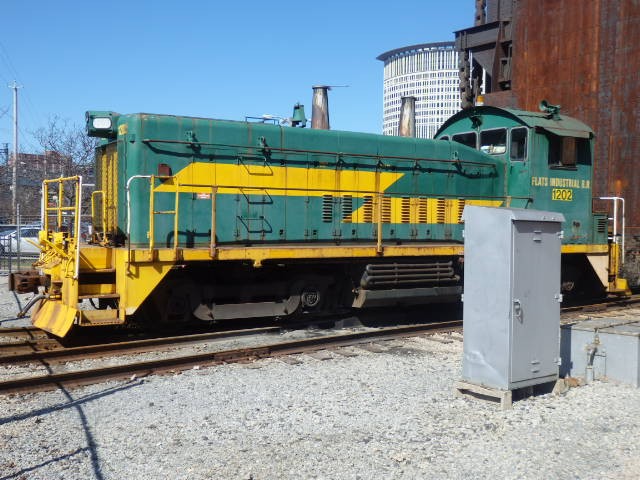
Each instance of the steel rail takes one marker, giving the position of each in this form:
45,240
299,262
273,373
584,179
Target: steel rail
39,347
602,305
128,347
23,332
31,332
164,365
29,346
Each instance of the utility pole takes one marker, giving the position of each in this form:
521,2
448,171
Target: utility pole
14,177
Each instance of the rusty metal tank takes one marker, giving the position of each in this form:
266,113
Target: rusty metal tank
585,56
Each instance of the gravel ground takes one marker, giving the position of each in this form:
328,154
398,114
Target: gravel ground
362,415
10,305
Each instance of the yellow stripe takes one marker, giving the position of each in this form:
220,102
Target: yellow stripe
261,253
591,249
315,182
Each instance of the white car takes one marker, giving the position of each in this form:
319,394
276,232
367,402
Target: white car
9,240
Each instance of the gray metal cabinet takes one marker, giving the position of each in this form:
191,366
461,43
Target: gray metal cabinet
511,296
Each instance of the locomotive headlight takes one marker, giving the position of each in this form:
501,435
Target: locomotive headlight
100,123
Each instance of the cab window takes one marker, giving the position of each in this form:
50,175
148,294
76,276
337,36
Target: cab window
566,152
494,142
518,148
468,139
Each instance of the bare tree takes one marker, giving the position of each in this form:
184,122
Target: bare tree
70,145
68,151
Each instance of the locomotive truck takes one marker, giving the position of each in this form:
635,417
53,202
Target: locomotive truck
211,220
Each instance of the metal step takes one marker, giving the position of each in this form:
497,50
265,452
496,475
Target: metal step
99,317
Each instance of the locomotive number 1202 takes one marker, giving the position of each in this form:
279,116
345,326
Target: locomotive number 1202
563,194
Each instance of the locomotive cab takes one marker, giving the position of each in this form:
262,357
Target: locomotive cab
549,166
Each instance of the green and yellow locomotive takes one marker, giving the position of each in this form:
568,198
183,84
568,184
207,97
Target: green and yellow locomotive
215,220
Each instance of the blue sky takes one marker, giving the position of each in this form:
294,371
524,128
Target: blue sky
219,59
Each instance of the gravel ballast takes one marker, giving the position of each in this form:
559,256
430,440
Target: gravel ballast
391,414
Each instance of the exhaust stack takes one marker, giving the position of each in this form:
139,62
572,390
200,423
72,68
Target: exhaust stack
320,109
407,122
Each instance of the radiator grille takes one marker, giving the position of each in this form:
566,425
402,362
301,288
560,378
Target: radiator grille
347,208
405,210
441,210
367,209
327,208
386,210
602,225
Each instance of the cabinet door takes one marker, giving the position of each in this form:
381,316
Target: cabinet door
535,310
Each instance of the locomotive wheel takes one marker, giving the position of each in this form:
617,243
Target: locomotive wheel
310,297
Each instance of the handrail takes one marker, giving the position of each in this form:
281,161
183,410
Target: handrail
214,193
76,208
322,152
152,209
128,196
359,192
175,212
77,229
214,190
379,248
175,187
176,217
153,212
94,194
617,239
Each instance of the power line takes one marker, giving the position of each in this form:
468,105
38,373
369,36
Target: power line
6,58
34,115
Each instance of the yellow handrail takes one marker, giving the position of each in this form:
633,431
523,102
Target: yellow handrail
151,214
71,248
58,209
175,212
214,190
104,212
379,226
170,185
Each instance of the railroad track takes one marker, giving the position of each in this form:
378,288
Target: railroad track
37,347
131,347
184,362
36,339
569,311
32,333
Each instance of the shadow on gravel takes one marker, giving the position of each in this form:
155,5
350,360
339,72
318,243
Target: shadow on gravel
71,403
35,467
11,319
91,447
